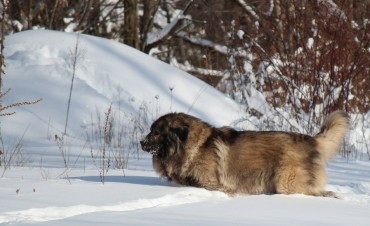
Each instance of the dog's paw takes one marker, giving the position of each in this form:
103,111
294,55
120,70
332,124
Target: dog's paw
329,194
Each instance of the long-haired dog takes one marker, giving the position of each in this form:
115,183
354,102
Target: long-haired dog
191,152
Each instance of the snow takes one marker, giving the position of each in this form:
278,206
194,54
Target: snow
310,43
141,198
40,190
240,34
110,72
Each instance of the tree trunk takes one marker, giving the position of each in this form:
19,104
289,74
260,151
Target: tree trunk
130,26
150,7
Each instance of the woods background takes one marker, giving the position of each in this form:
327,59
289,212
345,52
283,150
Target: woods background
308,57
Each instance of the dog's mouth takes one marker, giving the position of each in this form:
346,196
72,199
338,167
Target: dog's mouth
151,148
153,152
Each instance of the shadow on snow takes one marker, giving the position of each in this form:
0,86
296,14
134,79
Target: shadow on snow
139,180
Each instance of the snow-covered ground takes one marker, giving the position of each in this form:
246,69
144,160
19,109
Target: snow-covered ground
42,191
141,198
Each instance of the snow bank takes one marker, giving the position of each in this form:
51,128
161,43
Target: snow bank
107,72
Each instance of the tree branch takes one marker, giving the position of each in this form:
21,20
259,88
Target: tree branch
156,38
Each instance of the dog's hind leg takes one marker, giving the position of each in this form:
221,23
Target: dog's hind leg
292,180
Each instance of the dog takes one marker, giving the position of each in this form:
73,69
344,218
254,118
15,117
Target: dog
191,152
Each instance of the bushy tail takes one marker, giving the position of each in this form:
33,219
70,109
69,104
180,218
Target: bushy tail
331,134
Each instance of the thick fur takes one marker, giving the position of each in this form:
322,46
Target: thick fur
191,152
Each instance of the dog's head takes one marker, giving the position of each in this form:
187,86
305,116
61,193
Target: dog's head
167,136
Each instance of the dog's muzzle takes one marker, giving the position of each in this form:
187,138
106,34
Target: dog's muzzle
150,147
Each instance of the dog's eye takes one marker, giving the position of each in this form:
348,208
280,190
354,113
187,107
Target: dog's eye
155,133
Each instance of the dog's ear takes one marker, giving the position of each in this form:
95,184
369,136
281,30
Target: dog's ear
181,132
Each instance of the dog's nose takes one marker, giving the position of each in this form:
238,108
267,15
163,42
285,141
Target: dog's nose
142,143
